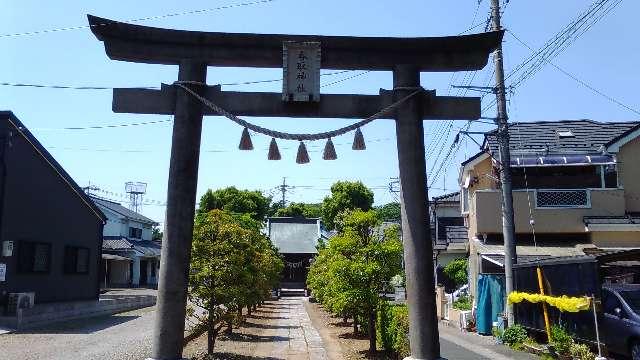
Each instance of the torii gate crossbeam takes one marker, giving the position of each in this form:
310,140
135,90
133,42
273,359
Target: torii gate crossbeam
194,51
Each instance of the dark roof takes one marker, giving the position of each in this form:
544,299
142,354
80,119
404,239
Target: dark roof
294,235
522,259
451,197
146,247
116,207
541,137
606,220
603,257
23,131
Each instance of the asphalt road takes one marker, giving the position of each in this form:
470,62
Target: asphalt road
121,336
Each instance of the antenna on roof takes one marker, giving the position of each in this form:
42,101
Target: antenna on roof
136,191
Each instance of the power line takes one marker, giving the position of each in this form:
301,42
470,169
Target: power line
578,80
142,19
98,87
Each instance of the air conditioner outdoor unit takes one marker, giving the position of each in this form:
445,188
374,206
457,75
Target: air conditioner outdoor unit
17,301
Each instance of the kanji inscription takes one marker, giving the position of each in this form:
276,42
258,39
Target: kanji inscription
301,67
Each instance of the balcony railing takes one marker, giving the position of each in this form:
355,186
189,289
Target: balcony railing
557,198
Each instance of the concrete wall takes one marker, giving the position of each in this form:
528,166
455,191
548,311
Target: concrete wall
40,206
615,239
629,174
487,213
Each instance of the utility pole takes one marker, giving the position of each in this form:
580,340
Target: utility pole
508,229
283,189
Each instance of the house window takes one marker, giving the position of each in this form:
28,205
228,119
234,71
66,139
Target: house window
76,260
135,233
34,257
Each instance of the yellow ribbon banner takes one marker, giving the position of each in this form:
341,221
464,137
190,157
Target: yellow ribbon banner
564,303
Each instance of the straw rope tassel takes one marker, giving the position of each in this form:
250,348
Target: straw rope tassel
329,152
245,141
274,152
358,141
303,156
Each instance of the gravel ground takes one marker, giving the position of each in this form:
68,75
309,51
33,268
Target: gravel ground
122,336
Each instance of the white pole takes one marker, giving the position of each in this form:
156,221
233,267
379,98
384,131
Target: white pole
595,320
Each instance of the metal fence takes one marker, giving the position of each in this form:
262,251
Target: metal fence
556,198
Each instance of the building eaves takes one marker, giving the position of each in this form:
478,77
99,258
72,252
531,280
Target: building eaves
52,162
119,209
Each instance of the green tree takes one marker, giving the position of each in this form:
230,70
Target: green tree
301,210
236,201
351,271
157,234
345,195
232,266
389,212
457,270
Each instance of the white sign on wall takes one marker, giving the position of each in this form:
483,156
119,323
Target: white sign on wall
3,272
7,248
301,67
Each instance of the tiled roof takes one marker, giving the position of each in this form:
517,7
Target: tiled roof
146,247
116,243
294,235
115,207
542,136
451,197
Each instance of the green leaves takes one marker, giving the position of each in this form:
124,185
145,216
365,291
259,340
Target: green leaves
355,266
235,201
345,195
457,271
232,264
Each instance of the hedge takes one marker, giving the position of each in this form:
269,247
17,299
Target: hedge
392,329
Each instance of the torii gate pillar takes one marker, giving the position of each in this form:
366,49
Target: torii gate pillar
418,249
181,195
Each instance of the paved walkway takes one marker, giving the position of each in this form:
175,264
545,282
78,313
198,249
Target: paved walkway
116,337
291,333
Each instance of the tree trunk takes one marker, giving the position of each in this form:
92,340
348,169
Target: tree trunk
229,327
372,332
355,324
211,336
345,318
249,310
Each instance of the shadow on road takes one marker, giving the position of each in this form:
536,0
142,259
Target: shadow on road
230,356
266,326
81,326
255,338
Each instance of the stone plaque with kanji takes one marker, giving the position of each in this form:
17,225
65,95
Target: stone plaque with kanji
301,66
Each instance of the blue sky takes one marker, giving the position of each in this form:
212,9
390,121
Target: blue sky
604,57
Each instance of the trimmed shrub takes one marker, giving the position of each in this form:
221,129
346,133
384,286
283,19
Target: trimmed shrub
392,329
514,335
561,340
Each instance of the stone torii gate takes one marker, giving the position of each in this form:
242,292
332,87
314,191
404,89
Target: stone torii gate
194,51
